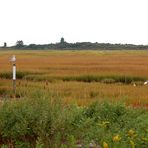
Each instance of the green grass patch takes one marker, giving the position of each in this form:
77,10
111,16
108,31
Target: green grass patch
108,79
105,79
19,74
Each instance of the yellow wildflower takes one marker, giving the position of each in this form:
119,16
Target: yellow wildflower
105,145
104,124
132,133
132,144
116,138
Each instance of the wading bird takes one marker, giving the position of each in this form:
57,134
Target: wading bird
146,82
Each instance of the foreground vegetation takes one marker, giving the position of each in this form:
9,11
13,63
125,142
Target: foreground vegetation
42,121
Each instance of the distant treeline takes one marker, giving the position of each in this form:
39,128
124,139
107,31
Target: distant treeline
84,45
79,45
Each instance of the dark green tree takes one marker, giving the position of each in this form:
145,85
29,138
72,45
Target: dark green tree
19,43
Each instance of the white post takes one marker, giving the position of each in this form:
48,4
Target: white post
13,60
14,77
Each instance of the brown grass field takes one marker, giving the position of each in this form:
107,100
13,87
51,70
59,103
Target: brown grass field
51,64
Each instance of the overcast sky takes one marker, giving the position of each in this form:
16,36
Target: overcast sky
46,21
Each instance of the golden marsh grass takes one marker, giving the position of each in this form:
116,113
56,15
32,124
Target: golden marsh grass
77,63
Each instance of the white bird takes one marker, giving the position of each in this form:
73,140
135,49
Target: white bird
146,82
13,59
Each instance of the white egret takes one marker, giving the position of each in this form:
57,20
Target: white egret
146,82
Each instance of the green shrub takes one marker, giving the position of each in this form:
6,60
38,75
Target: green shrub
40,121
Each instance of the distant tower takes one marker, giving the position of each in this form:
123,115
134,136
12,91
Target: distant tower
62,40
5,44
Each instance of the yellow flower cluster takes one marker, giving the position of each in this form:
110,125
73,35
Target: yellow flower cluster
116,138
105,145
